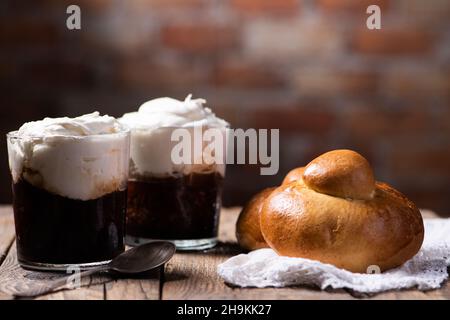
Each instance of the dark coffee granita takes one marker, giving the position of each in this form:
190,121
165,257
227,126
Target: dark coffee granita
52,229
184,207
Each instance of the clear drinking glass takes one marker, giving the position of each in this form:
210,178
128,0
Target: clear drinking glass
69,198
172,201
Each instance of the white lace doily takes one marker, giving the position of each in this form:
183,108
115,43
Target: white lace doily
264,268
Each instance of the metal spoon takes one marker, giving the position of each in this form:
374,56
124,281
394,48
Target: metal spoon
139,259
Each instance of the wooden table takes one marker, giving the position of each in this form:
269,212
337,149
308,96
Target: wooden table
186,276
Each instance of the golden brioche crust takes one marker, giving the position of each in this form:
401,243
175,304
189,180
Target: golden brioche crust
386,230
341,173
294,175
248,232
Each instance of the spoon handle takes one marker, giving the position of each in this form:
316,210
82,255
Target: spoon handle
59,283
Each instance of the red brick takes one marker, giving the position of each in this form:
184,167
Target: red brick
86,6
244,75
299,120
319,82
169,4
367,125
199,38
405,41
273,7
151,75
28,32
57,7
441,122
409,82
333,6
59,73
425,13
288,41
428,160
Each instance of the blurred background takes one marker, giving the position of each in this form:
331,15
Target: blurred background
308,67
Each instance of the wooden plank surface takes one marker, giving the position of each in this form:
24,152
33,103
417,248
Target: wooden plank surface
13,279
187,276
6,237
6,231
145,287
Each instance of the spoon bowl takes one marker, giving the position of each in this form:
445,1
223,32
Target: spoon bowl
143,258
139,259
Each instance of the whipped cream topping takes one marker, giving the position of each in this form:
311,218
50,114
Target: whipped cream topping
85,125
151,129
169,112
80,158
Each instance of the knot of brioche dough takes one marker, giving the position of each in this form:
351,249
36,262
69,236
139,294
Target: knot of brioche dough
294,175
341,173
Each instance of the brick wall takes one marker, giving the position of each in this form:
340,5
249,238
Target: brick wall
310,68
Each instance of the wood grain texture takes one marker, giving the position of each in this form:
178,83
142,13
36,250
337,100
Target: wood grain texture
6,231
187,275
6,238
133,289
92,288
90,292
141,287
14,279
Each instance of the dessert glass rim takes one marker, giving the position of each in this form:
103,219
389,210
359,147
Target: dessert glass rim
15,135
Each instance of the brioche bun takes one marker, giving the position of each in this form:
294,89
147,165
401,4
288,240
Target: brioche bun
338,214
